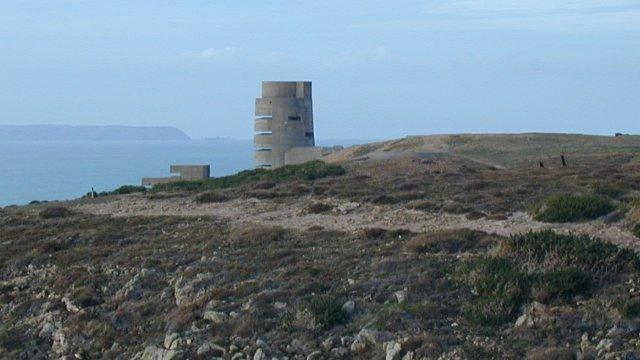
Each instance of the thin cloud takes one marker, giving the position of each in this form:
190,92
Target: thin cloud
213,54
544,15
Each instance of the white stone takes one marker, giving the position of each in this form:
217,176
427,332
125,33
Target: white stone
280,305
259,355
261,344
314,355
392,349
401,296
349,307
216,317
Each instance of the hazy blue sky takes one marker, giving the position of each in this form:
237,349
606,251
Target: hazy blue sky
380,69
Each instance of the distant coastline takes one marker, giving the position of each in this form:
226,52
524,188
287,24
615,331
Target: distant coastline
89,133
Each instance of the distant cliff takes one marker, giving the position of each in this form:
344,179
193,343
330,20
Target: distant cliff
80,133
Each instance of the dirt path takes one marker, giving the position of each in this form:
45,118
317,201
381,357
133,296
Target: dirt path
346,216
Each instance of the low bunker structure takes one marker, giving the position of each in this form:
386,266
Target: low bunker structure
185,173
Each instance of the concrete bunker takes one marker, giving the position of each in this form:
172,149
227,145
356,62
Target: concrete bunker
184,173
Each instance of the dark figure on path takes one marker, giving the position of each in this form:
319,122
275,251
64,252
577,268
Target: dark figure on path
564,161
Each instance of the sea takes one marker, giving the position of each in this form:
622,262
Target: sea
62,170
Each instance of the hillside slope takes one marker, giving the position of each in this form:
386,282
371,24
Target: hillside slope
500,150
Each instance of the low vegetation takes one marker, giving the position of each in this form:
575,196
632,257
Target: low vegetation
548,250
122,190
8,339
539,266
308,171
211,197
327,312
571,208
612,190
630,308
450,241
115,286
501,288
317,208
53,212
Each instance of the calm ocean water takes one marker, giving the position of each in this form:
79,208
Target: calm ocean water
67,170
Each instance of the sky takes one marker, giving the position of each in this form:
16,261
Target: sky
380,69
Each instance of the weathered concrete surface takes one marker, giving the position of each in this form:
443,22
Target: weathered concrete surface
284,119
191,172
301,155
185,173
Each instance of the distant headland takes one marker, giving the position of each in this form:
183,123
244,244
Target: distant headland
89,133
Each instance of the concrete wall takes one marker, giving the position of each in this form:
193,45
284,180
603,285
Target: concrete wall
301,155
191,172
284,119
185,173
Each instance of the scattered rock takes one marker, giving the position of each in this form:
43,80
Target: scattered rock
401,296
71,307
261,344
279,305
349,307
535,315
314,355
216,317
47,330
392,349
346,208
211,349
187,291
555,353
259,355
134,288
156,353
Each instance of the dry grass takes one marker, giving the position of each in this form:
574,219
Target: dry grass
450,241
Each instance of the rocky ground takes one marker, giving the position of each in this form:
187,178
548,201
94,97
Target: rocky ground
414,257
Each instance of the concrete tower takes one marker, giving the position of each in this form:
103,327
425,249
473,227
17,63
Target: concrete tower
284,120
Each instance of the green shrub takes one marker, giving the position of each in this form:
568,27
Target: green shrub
211,197
500,286
311,170
450,241
122,190
85,296
495,277
8,338
317,208
629,309
53,212
548,251
384,199
569,208
257,235
491,311
610,190
559,285
425,205
327,312
128,189
636,230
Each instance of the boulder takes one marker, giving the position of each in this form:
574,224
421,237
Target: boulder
349,307
216,317
156,353
392,350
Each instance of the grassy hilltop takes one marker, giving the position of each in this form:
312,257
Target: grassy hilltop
434,247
